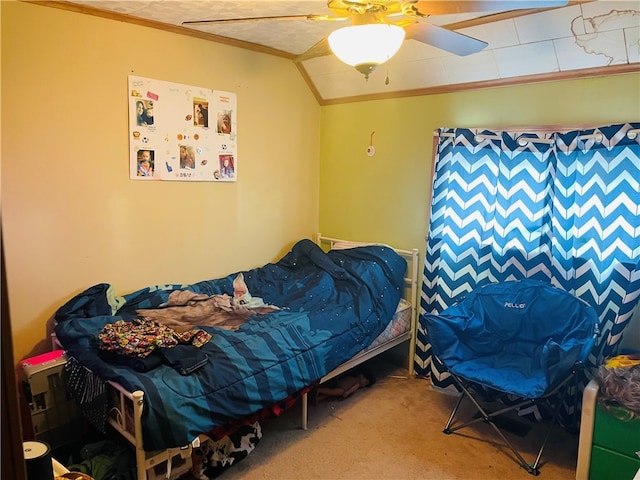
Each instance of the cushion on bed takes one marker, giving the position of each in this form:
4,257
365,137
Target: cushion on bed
343,245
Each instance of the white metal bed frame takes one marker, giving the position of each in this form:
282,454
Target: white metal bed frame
126,415
410,294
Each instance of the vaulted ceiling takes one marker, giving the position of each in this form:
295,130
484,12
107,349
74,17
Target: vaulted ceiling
579,39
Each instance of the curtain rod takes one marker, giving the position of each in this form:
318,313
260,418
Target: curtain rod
631,134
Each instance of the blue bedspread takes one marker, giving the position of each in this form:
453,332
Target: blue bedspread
333,304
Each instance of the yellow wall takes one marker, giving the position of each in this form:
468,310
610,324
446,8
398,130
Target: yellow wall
72,218
385,197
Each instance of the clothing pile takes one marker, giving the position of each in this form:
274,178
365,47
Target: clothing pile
216,456
105,460
143,345
619,382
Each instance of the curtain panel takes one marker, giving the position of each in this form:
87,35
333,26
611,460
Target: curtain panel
561,207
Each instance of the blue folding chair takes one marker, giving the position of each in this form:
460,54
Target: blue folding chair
526,339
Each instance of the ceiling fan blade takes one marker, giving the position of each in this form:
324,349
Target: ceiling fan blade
444,39
256,19
445,7
320,49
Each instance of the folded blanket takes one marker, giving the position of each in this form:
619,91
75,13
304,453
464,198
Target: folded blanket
186,310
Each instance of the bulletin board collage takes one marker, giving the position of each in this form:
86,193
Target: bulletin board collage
181,133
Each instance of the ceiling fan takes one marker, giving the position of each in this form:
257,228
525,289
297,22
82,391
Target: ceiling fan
378,27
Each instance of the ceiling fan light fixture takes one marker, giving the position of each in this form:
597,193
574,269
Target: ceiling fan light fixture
366,46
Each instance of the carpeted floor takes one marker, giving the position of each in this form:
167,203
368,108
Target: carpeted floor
393,430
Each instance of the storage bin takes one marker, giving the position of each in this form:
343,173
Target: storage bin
609,447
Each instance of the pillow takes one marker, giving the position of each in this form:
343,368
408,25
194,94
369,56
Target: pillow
343,245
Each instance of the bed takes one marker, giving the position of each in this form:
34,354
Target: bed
322,309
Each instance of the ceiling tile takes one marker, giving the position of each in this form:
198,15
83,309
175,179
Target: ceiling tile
417,74
572,56
592,9
601,34
608,44
546,25
497,34
632,39
130,7
473,68
293,36
324,65
349,83
539,57
611,19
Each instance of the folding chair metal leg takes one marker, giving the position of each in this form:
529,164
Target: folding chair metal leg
554,419
487,417
453,414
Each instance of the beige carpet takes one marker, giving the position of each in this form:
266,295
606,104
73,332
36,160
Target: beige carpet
393,430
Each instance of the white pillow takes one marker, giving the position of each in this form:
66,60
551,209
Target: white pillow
343,244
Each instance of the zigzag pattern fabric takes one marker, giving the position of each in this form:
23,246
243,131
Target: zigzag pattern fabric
561,207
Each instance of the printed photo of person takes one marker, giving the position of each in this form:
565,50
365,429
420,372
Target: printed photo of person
187,156
227,167
144,113
145,163
200,113
224,122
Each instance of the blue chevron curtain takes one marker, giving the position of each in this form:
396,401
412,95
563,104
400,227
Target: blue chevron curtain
559,207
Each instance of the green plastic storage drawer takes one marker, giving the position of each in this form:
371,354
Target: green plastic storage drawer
616,441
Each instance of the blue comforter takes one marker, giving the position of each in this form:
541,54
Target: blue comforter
332,306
